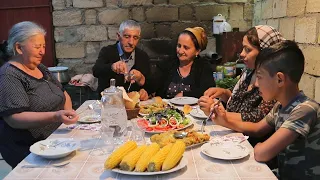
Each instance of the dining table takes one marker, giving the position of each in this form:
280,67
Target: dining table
87,162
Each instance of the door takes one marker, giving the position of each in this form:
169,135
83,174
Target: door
39,11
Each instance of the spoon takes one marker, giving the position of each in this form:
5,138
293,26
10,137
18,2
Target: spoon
90,107
180,134
45,166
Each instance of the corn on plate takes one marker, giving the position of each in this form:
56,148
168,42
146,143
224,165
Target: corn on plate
183,163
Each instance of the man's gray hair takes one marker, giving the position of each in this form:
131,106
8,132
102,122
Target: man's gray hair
129,24
20,32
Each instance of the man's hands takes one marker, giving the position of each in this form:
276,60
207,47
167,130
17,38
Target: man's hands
134,76
66,116
143,95
119,67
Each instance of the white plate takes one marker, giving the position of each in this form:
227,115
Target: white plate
223,151
184,100
198,113
142,114
90,119
63,149
183,162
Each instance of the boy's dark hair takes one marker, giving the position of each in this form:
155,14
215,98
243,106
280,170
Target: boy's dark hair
285,57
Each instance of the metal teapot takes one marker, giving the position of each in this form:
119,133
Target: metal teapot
61,73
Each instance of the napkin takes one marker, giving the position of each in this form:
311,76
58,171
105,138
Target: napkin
124,94
228,140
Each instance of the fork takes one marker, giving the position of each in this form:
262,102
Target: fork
204,122
130,82
45,166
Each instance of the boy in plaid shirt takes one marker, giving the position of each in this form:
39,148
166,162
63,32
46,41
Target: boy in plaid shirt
295,117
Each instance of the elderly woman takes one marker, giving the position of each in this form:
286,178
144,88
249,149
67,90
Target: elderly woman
187,74
244,102
33,103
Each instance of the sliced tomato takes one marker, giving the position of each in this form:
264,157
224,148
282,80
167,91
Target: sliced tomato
142,123
149,129
173,122
160,128
163,122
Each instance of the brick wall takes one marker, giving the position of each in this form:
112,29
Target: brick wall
297,20
83,27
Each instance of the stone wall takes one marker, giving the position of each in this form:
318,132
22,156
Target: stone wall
83,27
297,20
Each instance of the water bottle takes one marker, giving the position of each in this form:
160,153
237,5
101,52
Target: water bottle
113,112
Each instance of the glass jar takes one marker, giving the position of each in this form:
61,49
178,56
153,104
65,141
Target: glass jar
229,69
219,68
113,112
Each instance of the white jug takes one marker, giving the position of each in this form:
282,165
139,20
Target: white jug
216,22
225,27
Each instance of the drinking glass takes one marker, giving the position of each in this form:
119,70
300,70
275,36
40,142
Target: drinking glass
137,134
107,137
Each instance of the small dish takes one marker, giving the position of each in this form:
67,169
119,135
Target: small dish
198,113
43,148
184,100
94,118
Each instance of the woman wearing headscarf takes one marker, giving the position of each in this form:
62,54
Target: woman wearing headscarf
244,102
187,74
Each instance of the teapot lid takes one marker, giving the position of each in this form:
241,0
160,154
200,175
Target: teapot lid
219,17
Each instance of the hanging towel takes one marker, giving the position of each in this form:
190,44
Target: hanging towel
85,80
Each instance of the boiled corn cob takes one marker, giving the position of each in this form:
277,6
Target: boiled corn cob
129,161
115,158
174,155
156,161
144,159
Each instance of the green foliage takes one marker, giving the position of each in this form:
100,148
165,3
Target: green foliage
227,83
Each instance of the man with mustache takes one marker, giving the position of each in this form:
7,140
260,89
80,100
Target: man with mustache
123,61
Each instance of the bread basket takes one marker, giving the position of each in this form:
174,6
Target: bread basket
132,113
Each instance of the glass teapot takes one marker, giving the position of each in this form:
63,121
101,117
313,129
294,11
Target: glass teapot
113,112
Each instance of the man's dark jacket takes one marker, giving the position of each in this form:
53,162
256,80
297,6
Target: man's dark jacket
109,55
